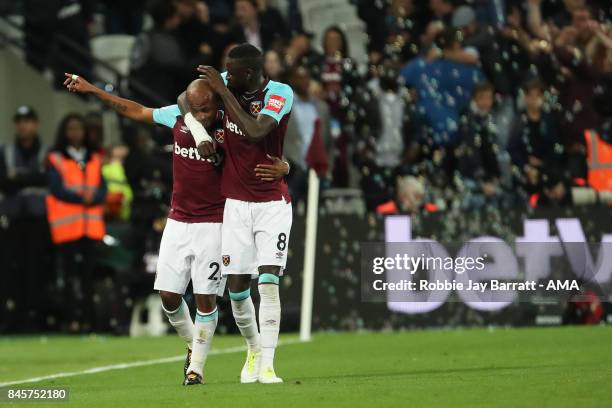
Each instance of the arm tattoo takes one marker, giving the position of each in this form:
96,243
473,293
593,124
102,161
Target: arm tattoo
118,106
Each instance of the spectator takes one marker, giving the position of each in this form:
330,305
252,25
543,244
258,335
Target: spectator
394,29
309,120
124,17
157,60
120,195
301,53
24,234
261,27
410,194
442,10
476,153
392,137
196,34
339,79
75,213
583,69
556,191
443,87
535,146
274,68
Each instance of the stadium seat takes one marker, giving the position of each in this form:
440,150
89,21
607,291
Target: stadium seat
155,324
113,50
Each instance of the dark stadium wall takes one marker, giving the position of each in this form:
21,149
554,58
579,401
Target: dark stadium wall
22,85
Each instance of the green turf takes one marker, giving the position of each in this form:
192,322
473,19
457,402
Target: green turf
547,367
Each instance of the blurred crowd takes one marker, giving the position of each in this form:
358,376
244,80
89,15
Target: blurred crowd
462,105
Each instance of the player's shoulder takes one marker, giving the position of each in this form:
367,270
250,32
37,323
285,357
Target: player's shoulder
279,88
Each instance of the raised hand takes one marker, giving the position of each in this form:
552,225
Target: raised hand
75,83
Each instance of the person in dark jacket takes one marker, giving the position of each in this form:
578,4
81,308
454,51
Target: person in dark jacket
535,145
261,27
24,233
477,168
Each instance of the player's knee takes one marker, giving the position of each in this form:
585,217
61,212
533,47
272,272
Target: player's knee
269,269
238,283
170,301
206,303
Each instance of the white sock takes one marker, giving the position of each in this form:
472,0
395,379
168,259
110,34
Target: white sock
269,317
244,314
181,321
205,325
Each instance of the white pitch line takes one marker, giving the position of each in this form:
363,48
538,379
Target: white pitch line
124,366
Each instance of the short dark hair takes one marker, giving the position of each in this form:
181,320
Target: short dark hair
483,86
447,38
250,55
533,84
161,11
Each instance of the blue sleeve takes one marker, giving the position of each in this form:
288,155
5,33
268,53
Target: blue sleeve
166,116
278,101
56,186
411,73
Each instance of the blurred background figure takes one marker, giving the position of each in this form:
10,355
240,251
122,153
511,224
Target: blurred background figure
258,24
24,232
76,218
274,66
309,121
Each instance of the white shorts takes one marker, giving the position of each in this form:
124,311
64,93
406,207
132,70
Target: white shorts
190,251
255,234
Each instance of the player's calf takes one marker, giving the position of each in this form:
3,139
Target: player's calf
269,321
177,312
206,321
244,315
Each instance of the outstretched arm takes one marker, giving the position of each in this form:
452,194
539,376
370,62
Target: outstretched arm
125,107
254,128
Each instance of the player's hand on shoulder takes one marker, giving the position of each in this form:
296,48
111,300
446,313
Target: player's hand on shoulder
274,171
76,83
212,76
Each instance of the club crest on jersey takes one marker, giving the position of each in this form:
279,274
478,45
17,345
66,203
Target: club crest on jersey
226,260
255,107
219,135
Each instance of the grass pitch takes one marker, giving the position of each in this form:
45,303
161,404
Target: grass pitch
546,367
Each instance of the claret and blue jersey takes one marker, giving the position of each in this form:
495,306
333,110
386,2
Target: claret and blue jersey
196,186
239,182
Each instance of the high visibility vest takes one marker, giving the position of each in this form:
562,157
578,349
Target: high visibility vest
388,207
599,158
72,221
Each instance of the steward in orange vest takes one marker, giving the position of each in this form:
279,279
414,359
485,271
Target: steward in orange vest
75,205
599,159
